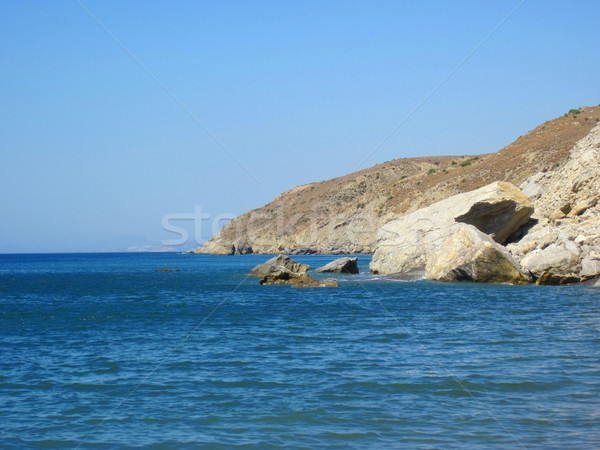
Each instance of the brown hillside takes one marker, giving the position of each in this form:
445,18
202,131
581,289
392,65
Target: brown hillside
341,215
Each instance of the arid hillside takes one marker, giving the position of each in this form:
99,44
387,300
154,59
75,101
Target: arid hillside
342,215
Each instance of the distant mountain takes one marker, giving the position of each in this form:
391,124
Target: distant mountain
131,243
342,215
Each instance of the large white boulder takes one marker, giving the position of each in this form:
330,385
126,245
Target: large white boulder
407,243
470,255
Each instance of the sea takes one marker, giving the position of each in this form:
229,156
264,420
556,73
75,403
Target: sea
101,351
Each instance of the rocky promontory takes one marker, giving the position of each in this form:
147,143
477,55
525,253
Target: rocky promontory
342,215
552,237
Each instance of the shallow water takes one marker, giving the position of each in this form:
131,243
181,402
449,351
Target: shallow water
101,351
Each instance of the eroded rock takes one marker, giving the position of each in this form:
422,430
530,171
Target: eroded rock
560,259
317,284
552,277
284,276
470,255
340,265
279,263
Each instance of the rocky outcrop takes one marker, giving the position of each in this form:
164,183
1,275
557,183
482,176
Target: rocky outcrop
407,243
340,265
216,248
317,284
281,263
470,255
559,259
564,245
285,276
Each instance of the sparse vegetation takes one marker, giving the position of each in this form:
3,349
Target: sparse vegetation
467,162
574,112
431,171
463,180
404,176
360,205
453,163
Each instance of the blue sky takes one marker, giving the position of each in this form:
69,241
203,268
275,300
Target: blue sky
94,151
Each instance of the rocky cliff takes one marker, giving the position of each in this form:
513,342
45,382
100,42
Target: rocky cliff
342,215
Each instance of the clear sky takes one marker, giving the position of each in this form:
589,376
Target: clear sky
95,151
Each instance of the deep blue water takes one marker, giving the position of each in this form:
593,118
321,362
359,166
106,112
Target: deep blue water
101,351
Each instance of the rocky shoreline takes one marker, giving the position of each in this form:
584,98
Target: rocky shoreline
546,231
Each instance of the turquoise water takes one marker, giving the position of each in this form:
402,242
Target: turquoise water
101,351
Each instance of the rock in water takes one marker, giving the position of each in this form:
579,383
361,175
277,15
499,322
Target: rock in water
555,264
277,264
284,276
554,277
590,266
470,255
340,265
317,284
406,244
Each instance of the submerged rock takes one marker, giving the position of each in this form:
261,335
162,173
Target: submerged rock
340,265
470,255
553,277
317,284
284,276
279,263
404,244
164,269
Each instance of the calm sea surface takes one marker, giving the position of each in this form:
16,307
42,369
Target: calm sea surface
101,351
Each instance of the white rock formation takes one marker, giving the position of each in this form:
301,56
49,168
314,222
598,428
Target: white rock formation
470,255
407,243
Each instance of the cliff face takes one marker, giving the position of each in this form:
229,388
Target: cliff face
342,215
